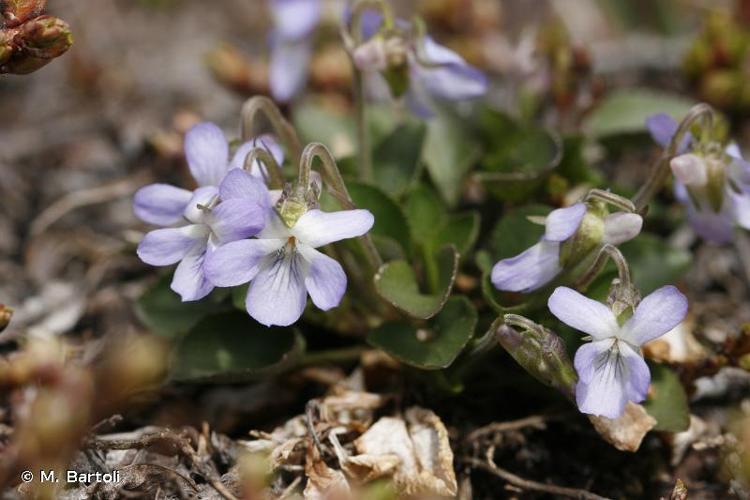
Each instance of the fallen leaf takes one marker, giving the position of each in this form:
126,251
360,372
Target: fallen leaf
626,432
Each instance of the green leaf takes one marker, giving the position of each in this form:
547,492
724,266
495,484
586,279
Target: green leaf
390,220
396,282
164,313
514,232
653,262
460,230
425,213
625,111
396,158
518,156
449,153
234,347
435,346
667,402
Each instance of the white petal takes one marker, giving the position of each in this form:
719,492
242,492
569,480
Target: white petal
620,227
160,204
689,169
238,262
655,315
317,228
529,270
165,247
190,280
582,313
325,281
277,295
202,197
562,223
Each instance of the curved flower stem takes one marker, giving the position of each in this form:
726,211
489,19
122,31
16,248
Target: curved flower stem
336,187
261,105
606,252
660,172
273,171
610,198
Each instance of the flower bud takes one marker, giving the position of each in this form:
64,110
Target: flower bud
37,42
689,169
589,236
5,315
15,12
371,55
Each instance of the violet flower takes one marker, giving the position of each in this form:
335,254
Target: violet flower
416,68
283,265
566,237
714,186
611,369
229,204
291,45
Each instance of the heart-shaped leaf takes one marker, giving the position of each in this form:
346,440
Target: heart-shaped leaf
396,282
165,314
396,158
233,347
425,212
449,152
435,346
460,230
667,401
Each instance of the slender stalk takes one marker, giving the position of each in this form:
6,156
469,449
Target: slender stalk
273,171
520,322
610,198
660,172
336,187
263,106
606,252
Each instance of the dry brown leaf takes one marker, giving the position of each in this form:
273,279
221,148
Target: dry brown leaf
626,432
323,482
676,346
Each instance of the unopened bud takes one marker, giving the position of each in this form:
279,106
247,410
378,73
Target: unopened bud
5,314
46,37
689,169
371,56
15,12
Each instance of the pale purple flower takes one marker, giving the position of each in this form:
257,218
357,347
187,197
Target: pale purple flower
291,45
714,191
433,71
229,204
541,263
283,265
611,369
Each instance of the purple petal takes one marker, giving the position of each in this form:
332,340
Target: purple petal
238,262
189,278
621,227
240,184
265,141
370,22
277,295
741,208
582,313
562,223
165,247
529,270
452,78
662,127
238,218
325,281
207,153
160,204
317,228
288,69
716,227
295,19
418,101
609,378
655,315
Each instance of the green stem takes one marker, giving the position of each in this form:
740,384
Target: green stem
275,179
660,172
263,106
